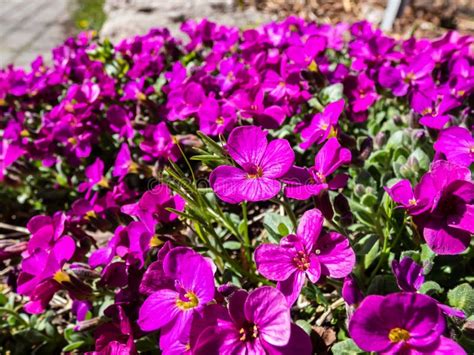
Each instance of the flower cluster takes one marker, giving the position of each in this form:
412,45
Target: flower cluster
229,193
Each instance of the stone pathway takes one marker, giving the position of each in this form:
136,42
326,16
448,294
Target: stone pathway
29,28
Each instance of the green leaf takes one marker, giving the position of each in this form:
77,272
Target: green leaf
462,297
232,245
369,200
74,346
283,229
346,347
430,287
332,93
277,225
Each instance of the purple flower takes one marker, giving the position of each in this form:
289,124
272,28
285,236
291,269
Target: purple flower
124,163
351,292
442,206
408,323
405,76
159,144
134,91
270,117
409,276
172,310
457,145
119,121
45,230
433,108
42,274
9,153
282,84
151,208
257,323
302,183
95,177
360,91
322,126
215,119
310,253
304,56
408,273
185,101
261,164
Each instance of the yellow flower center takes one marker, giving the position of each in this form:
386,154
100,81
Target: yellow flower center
72,140
412,202
191,301
61,277
155,241
220,120
140,96
248,333
313,66
90,214
397,335
24,133
103,182
133,167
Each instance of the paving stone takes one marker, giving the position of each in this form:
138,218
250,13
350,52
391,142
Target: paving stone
29,28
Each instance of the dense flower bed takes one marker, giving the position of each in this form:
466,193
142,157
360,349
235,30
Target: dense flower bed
291,189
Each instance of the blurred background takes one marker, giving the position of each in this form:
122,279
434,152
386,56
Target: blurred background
33,27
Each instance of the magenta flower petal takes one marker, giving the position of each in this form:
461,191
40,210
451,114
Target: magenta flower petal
278,158
292,286
158,310
444,240
314,270
247,145
299,343
233,185
335,255
331,156
236,305
220,340
309,227
456,143
267,308
275,262
465,221
368,328
192,270
408,273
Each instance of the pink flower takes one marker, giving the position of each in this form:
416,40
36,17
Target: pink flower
172,310
261,164
302,183
322,125
151,208
309,253
457,144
